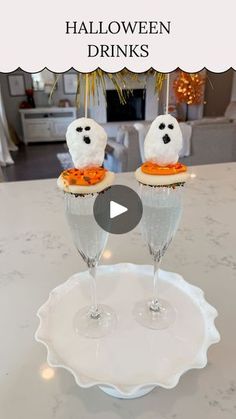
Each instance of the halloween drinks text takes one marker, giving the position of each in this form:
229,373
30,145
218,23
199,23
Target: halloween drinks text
118,28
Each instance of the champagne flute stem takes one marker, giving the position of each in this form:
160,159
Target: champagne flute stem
155,305
94,312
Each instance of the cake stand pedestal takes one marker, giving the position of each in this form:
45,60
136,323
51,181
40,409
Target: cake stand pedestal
132,360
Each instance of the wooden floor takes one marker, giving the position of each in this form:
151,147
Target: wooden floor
35,161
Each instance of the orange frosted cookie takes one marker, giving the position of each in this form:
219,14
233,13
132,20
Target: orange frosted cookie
83,177
154,175
85,181
151,168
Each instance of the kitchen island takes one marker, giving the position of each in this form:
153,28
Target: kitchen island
37,254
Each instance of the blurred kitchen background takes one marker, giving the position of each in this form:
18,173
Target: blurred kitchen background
32,128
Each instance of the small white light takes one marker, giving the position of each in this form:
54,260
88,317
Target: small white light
193,175
47,373
107,254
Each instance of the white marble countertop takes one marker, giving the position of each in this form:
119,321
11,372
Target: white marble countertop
37,254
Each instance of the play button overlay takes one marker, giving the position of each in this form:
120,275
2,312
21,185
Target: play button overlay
118,209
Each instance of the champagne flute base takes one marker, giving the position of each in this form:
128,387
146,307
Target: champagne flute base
95,325
158,319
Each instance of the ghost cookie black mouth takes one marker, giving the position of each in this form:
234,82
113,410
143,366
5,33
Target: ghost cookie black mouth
87,140
166,139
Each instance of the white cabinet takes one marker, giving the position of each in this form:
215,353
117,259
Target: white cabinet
36,129
58,128
46,124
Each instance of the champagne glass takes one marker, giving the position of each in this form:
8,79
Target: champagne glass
90,239
162,208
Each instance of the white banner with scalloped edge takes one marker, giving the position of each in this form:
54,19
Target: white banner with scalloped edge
112,35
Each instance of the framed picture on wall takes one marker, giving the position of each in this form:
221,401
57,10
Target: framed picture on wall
70,83
16,83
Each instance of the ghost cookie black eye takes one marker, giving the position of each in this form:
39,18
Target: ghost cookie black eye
87,128
162,126
171,126
79,129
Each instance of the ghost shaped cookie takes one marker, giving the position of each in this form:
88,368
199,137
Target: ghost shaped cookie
162,146
163,141
86,140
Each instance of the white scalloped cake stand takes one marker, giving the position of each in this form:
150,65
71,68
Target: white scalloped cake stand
132,360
